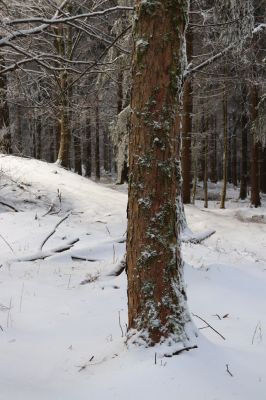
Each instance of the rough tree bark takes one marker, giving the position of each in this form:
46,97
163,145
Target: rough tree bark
157,309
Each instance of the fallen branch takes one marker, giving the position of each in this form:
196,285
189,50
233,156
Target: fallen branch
189,237
49,210
54,230
41,255
176,353
9,206
209,326
77,258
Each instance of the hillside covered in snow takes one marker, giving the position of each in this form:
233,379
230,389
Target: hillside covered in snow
63,303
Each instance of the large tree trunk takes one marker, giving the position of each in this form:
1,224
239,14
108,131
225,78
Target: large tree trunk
156,298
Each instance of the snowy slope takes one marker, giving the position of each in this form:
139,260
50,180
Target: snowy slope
61,340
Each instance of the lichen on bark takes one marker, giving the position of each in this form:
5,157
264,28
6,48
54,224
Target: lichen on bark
156,291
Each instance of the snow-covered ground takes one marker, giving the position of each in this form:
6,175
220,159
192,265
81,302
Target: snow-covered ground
63,340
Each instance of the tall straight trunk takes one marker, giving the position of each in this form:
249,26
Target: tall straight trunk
97,140
263,171
206,149
255,186
19,138
88,148
6,145
229,160
186,141
120,92
63,154
63,120
106,152
195,179
77,153
213,152
38,138
225,150
51,145
156,298
244,147
187,127
234,156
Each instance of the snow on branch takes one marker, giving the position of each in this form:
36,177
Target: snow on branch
69,18
45,23
193,69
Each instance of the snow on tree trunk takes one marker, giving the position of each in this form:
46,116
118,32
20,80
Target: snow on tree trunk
157,308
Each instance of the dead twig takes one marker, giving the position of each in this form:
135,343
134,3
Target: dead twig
209,326
257,328
78,258
176,353
119,321
9,206
54,230
6,242
49,210
227,370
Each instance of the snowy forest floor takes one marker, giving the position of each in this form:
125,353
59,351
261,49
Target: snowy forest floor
63,318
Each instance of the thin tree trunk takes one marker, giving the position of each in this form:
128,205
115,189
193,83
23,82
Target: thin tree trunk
63,153
187,127
97,140
38,138
234,157
213,152
19,139
77,153
244,147
88,149
263,171
225,150
206,148
106,150
255,187
6,145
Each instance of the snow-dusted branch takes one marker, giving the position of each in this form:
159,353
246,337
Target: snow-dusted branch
54,21
41,255
193,69
54,230
31,31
